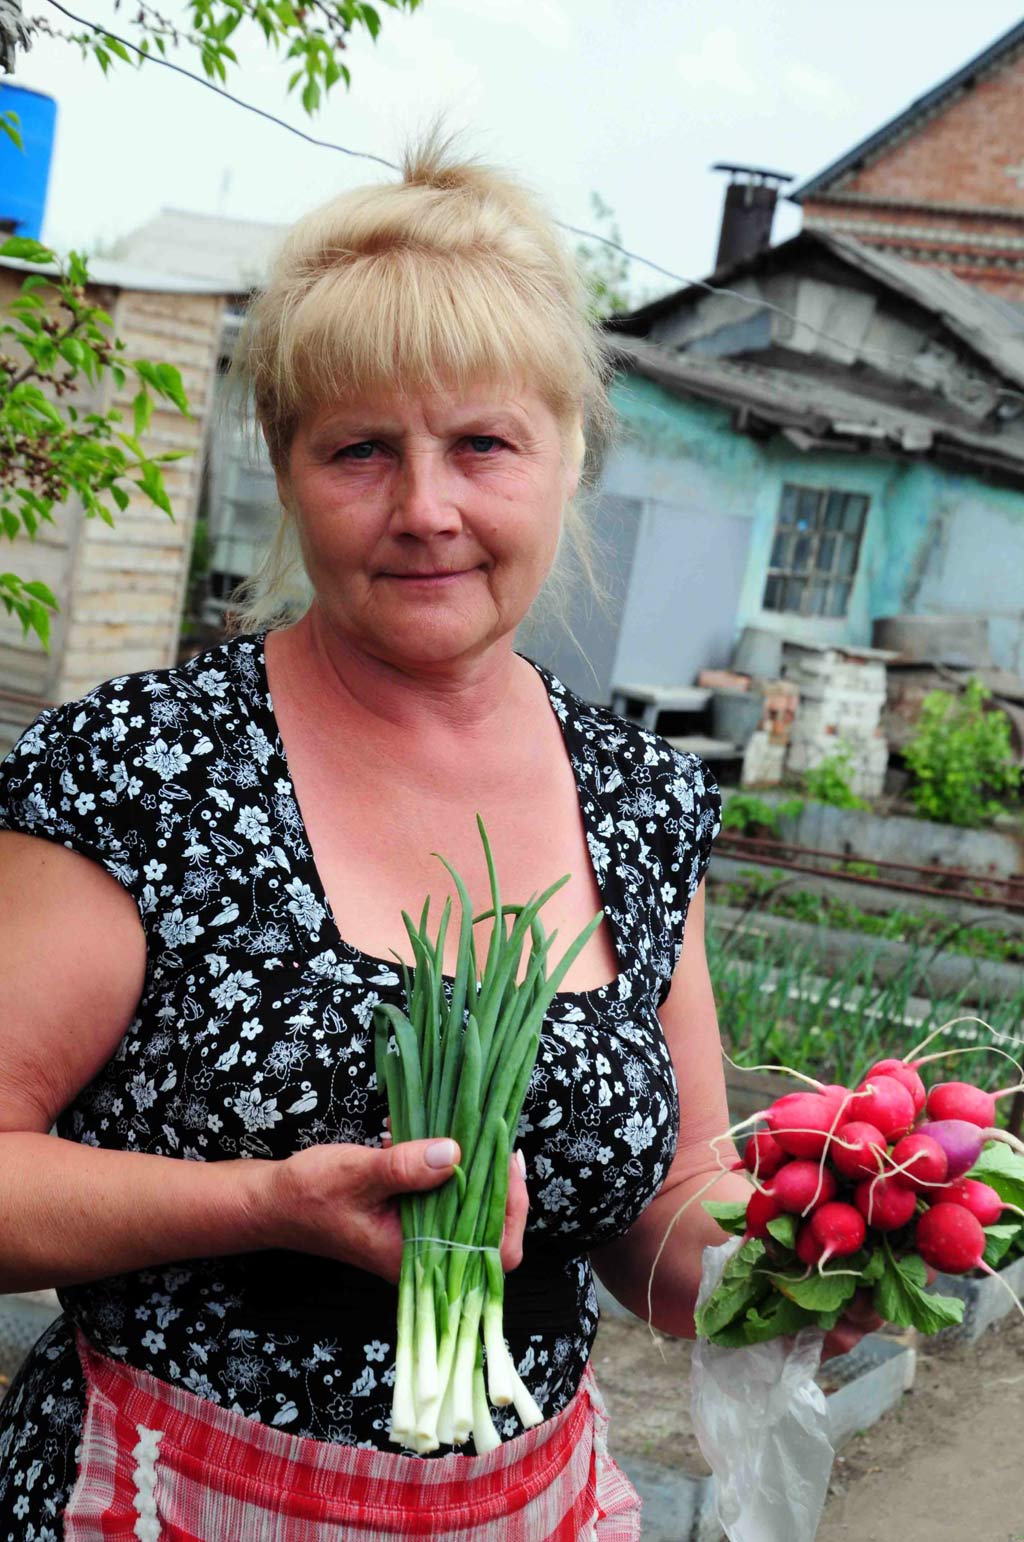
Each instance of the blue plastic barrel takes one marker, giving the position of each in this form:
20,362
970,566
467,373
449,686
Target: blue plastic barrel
24,173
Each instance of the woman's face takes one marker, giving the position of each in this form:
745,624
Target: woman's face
428,523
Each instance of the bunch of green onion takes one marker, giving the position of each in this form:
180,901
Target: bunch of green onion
457,1065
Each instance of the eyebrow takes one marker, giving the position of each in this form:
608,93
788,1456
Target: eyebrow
497,421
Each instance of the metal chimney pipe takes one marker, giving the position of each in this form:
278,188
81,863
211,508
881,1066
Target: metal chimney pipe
747,212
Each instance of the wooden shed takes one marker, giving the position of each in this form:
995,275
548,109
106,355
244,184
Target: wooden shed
120,590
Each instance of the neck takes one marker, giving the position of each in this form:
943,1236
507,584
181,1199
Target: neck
457,696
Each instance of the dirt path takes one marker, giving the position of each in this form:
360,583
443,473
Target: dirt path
947,1465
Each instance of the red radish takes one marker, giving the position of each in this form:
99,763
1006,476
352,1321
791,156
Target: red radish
924,1162
901,1072
762,1207
960,1140
800,1122
979,1198
950,1238
834,1094
885,1103
839,1228
959,1100
857,1150
808,1248
800,1184
885,1204
762,1155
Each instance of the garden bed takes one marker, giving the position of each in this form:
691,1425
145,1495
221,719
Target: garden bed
645,1382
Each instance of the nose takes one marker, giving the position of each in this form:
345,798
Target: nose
424,504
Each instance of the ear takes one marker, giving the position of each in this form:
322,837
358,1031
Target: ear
576,449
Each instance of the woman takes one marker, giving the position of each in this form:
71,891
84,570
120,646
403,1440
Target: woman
191,954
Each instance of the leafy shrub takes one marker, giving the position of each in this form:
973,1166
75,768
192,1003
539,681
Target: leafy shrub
746,812
829,782
961,758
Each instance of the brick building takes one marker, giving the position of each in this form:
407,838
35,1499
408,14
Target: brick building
943,182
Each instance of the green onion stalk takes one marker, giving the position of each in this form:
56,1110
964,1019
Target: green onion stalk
457,1065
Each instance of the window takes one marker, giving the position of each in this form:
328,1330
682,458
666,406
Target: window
815,552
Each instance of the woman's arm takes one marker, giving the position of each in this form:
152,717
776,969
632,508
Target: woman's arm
72,968
691,1032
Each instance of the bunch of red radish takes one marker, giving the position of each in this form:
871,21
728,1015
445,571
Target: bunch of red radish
885,1156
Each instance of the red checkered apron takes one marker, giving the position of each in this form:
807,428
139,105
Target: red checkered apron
159,1464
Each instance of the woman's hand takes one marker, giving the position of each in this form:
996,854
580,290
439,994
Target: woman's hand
341,1201
860,1318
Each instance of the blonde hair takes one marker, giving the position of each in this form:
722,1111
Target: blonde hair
452,276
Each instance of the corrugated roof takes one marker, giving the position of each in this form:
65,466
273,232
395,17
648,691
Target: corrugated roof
816,410
233,253
995,54
991,328
127,275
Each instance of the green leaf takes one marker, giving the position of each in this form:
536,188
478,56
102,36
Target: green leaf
1000,1240
783,1229
778,1317
900,1297
168,382
40,592
142,411
1003,1170
9,126
120,497
818,1292
27,250
739,1288
731,1216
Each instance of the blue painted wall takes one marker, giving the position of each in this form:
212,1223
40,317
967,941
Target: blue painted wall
934,542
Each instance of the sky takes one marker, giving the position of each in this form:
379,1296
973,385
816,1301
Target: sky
632,99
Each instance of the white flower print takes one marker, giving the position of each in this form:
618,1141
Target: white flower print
179,930
305,906
236,986
637,1132
255,1112
167,760
253,1038
254,825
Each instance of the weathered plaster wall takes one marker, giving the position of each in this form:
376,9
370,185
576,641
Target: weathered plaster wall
934,542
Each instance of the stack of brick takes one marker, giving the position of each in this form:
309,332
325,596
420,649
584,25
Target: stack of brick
842,698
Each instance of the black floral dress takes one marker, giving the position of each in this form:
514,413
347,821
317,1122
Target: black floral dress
253,1038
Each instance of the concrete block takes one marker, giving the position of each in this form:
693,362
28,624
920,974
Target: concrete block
23,1319
985,1301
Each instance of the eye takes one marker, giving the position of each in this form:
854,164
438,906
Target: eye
482,444
361,451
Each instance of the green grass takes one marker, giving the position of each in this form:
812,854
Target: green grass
931,929
776,1006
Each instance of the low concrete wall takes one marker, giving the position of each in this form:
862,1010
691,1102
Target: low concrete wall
872,837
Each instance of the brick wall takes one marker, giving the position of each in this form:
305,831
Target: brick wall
950,192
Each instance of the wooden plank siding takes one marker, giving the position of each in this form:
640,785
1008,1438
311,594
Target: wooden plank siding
121,590
128,584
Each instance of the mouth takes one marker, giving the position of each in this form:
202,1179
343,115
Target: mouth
435,576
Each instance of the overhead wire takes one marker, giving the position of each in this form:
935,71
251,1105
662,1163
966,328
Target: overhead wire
757,302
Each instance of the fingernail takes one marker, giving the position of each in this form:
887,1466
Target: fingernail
440,1154
522,1163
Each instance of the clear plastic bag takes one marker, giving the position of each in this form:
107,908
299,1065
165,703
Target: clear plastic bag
761,1422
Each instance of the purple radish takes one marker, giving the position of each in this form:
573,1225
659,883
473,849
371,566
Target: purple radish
960,1140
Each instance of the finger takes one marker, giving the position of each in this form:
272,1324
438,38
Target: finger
516,1210
410,1166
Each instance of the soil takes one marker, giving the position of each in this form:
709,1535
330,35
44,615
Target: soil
943,1466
